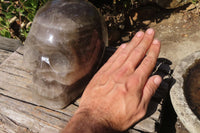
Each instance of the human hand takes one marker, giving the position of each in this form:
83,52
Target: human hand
119,93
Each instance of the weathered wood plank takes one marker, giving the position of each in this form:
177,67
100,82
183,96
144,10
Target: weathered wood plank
9,44
4,54
7,47
19,110
19,116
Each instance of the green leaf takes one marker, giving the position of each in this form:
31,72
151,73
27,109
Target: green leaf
24,33
3,23
31,4
11,8
5,6
5,33
7,24
18,9
1,19
25,8
3,12
9,15
30,17
34,3
22,1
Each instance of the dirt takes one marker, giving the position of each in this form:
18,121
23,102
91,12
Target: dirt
179,35
173,24
177,29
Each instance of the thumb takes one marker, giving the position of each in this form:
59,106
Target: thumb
150,87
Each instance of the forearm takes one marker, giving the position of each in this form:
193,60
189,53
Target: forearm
85,123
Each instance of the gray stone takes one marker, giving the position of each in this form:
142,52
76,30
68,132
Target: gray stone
185,114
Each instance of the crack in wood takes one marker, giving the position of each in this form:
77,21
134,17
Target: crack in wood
2,89
13,124
36,106
18,99
13,74
10,73
76,104
35,118
55,111
56,116
24,70
11,51
19,53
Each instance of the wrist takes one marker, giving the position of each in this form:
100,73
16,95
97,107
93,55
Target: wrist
85,121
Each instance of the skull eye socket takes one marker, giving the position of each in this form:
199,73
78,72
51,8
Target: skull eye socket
59,63
49,61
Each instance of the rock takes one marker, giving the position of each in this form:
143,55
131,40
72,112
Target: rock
177,95
168,4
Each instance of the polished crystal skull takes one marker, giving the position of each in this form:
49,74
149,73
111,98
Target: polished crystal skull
63,48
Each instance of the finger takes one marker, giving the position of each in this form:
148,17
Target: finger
123,54
140,51
144,69
112,58
150,88
148,63
135,41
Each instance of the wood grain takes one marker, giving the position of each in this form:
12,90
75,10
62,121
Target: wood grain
4,54
9,44
7,47
20,113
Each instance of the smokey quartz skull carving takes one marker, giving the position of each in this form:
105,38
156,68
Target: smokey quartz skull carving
64,46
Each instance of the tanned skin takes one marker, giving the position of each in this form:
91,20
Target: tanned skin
119,93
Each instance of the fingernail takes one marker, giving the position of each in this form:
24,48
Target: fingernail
123,45
155,41
150,31
158,80
139,34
